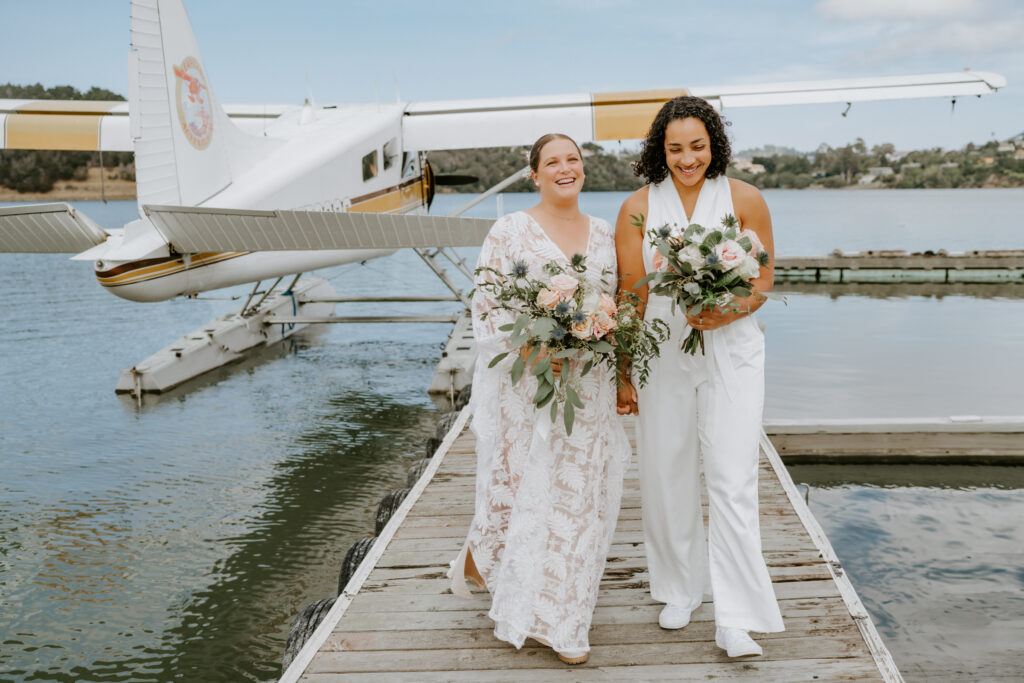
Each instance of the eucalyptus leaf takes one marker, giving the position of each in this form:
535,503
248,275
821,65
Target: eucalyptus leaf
571,397
745,243
542,366
506,327
564,353
497,359
569,416
740,292
543,391
521,322
554,410
542,328
602,347
517,369
586,368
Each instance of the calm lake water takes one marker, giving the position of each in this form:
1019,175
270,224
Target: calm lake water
178,542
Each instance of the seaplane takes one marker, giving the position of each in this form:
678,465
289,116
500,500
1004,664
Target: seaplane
230,195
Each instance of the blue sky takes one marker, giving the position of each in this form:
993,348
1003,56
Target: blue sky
261,51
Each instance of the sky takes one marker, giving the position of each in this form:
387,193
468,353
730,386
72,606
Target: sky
257,51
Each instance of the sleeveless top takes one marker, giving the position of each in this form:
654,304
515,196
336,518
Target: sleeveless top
664,207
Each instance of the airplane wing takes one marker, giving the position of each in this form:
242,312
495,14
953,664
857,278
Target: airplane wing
93,125
510,121
192,229
47,228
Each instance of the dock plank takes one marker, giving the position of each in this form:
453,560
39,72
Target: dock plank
398,621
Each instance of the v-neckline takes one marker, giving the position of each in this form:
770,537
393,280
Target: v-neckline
696,204
586,248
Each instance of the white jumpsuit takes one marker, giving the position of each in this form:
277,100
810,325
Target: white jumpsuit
704,405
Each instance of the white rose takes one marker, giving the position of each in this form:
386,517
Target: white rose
583,330
591,302
691,254
749,269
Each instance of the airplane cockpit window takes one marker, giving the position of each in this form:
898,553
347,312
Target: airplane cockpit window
390,153
408,165
370,166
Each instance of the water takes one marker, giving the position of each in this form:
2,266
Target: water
178,542
936,554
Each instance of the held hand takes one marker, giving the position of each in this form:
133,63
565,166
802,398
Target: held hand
711,320
626,399
556,363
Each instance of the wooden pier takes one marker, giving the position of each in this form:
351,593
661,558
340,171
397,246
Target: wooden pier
396,620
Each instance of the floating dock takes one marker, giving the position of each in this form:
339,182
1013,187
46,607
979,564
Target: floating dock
901,266
396,620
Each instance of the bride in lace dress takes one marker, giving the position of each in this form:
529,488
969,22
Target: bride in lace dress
546,503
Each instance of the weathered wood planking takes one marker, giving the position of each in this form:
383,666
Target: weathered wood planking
398,621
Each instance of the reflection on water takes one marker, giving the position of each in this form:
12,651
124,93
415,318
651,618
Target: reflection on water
936,554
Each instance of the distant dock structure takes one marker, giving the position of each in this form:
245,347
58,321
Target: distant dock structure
396,619
898,266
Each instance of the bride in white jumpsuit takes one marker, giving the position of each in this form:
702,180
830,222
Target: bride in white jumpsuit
703,407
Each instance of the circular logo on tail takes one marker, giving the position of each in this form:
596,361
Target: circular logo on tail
193,100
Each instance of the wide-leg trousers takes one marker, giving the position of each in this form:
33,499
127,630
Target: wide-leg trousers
696,408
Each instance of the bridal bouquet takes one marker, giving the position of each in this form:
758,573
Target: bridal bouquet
570,319
701,268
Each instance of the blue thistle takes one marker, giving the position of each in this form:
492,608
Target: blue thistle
519,269
562,308
558,334
711,259
664,231
578,260
579,317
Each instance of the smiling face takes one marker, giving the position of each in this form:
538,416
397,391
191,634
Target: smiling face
559,173
687,150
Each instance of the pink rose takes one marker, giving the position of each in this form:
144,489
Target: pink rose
548,299
755,241
583,330
730,254
658,261
564,284
603,324
607,305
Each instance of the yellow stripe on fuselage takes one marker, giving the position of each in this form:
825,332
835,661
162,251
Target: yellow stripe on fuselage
151,272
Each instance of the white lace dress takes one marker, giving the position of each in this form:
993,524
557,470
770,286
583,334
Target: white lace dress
546,503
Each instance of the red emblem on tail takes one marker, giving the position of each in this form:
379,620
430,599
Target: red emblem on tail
194,111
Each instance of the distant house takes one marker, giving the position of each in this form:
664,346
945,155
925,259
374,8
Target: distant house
748,166
987,161
949,164
909,166
880,171
1006,147
1019,154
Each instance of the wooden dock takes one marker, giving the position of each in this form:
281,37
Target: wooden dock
396,620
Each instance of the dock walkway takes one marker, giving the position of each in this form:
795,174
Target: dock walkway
398,621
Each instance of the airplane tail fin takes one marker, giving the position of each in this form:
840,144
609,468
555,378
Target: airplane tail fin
186,148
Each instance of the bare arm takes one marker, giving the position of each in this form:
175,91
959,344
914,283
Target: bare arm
629,241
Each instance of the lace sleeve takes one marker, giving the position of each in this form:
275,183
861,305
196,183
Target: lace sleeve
487,317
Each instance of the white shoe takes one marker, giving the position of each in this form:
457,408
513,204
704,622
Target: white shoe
736,642
674,616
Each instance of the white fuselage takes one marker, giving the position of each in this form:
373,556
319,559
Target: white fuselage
338,159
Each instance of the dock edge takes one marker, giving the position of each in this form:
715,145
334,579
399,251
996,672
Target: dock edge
883,658
337,611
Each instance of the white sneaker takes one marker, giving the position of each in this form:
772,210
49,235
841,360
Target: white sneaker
674,616
736,642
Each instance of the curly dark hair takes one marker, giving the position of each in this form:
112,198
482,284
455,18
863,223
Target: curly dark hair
651,165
